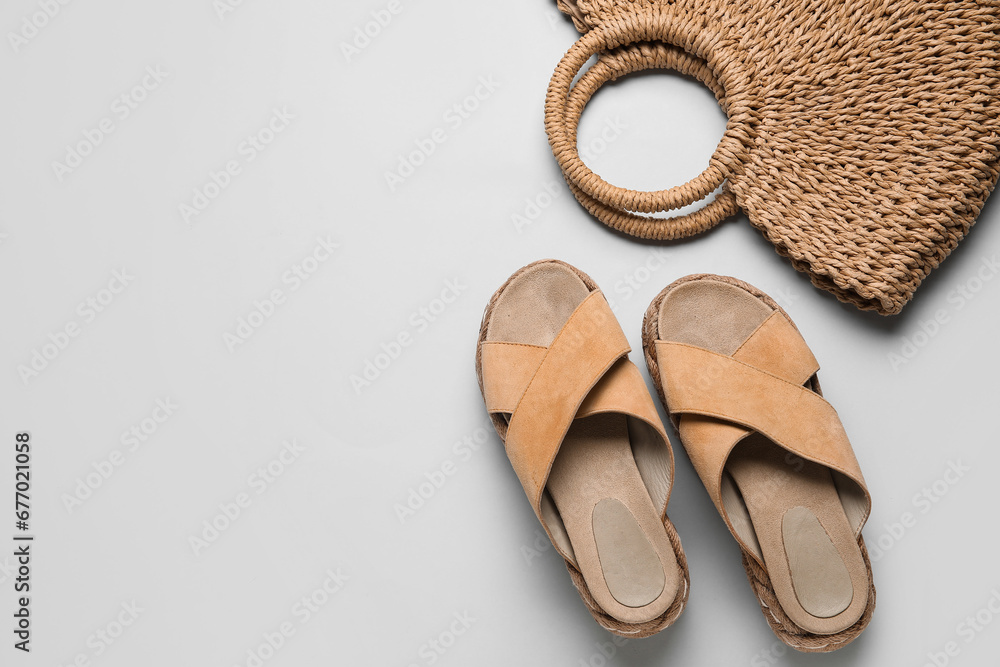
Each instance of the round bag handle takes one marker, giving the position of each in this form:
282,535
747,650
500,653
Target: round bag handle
618,55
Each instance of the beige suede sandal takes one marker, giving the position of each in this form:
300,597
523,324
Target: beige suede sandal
740,385
586,441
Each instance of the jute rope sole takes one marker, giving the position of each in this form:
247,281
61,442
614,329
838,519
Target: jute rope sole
789,632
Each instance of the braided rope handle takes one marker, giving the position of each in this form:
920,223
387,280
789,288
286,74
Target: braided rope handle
623,48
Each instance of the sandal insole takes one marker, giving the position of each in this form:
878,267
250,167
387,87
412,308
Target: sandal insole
620,544
809,549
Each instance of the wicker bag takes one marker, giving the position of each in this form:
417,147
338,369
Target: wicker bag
863,135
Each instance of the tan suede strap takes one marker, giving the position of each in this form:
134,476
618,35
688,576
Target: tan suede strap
588,345
513,365
720,399
777,347
507,370
800,420
622,390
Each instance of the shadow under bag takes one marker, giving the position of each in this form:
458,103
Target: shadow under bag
863,135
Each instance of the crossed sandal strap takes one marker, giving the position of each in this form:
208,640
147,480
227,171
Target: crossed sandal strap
584,371
718,400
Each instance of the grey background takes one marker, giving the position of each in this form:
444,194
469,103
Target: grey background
470,548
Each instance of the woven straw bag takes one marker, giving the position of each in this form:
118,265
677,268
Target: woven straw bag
863,135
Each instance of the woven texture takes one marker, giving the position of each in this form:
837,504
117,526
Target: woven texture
863,136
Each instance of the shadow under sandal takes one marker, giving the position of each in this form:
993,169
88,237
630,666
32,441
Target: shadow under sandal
583,434
740,385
